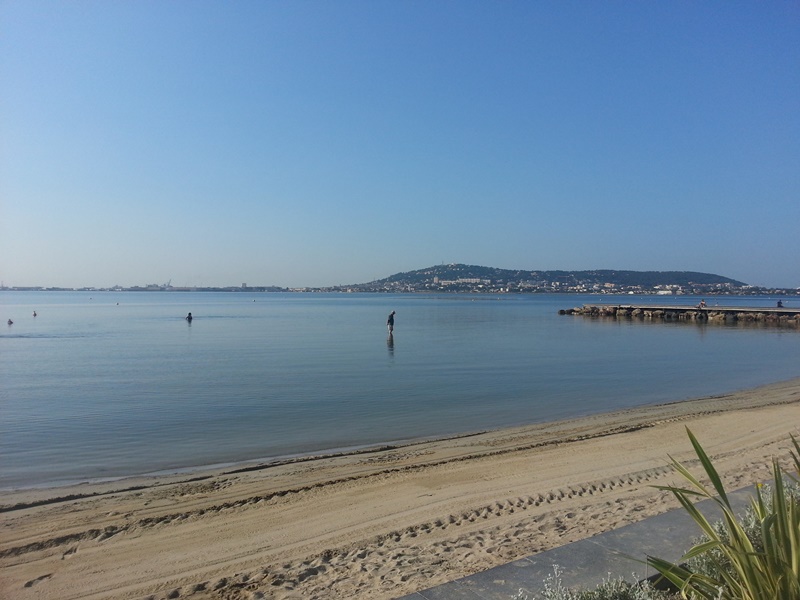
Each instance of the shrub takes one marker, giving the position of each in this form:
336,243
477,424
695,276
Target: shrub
758,558
609,589
709,562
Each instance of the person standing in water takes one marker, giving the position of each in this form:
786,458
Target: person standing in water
390,322
189,317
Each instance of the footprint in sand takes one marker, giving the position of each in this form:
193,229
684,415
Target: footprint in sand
40,579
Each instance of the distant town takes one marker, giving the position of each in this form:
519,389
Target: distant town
460,278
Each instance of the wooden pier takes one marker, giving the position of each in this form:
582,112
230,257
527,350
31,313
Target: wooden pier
788,317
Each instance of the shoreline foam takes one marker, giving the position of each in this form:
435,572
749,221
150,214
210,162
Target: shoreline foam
383,522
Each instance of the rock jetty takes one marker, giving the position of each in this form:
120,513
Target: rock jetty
786,317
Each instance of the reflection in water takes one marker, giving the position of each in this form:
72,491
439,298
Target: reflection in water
292,390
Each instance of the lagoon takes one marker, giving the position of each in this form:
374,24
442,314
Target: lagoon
113,384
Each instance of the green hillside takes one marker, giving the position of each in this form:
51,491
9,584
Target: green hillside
647,279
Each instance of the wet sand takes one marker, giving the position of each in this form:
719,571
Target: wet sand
381,523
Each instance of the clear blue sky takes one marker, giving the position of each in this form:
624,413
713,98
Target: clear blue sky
311,143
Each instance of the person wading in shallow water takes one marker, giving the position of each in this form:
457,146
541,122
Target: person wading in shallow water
390,322
189,317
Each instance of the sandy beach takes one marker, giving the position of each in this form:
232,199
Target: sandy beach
381,523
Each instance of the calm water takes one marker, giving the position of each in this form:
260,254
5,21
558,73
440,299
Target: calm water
109,384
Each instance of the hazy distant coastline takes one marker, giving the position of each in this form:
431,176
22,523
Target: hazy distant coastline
478,279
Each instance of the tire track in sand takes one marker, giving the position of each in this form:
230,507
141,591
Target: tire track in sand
470,538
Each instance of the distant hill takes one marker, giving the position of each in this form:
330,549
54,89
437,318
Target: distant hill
645,279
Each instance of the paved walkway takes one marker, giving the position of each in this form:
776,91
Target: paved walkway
586,563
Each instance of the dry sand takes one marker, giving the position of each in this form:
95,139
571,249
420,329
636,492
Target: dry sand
383,523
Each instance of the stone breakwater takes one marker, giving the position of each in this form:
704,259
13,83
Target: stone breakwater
782,317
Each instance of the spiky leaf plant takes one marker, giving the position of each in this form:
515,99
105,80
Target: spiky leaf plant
740,568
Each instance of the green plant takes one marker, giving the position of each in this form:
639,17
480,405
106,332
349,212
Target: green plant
710,562
764,565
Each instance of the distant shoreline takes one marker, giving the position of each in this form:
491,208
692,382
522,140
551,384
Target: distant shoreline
463,278
783,292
